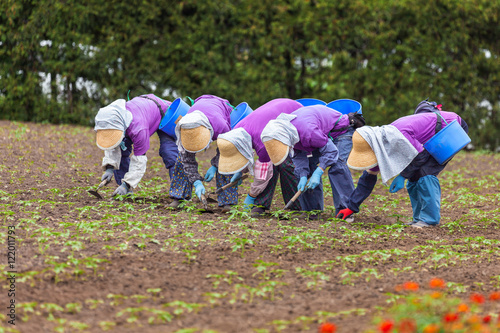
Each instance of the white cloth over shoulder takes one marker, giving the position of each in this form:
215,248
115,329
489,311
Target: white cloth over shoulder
112,157
193,120
281,129
243,142
113,116
393,151
136,170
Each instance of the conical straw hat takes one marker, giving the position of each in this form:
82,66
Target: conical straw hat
362,156
277,151
230,160
195,139
108,138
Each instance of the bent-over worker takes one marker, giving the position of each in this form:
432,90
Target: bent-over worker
306,135
125,126
236,155
397,150
205,120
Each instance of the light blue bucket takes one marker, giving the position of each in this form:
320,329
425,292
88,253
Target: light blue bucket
310,101
447,142
346,106
239,113
175,112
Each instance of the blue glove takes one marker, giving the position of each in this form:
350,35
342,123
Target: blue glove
249,201
315,179
237,176
210,173
397,184
108,174
199,189
123,189
302,184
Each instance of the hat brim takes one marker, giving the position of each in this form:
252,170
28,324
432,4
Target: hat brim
195,139
277,151
107,139
230,159
362,160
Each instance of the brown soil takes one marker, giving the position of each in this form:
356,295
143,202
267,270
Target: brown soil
154,256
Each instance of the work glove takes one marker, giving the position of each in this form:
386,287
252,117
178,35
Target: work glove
302,184
249,201
344,213
397,184
108,174
237,176
315,179
123,189
210,173
199,189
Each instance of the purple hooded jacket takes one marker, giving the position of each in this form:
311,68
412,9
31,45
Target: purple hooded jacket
255,122
217,110
314,124
420,127
145,122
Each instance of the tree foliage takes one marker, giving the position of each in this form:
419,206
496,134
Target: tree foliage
62,60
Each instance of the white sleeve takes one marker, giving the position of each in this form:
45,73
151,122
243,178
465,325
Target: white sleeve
136,170
112,157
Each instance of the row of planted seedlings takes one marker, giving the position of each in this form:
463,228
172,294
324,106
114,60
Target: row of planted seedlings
245,237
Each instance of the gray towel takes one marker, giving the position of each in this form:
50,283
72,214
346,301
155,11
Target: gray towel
393,151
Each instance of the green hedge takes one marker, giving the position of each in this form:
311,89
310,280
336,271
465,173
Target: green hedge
387,54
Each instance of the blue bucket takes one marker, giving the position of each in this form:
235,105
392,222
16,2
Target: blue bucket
239,113
310,101
175,112
345,106
447,142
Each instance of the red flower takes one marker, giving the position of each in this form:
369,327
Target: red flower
487,319
410,285
386,326
495,296
436,283
327,328
407,326
477,298
450,317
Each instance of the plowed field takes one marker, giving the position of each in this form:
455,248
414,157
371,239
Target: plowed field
88,265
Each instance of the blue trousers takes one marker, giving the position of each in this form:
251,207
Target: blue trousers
181,188
339,174
168,152
425,197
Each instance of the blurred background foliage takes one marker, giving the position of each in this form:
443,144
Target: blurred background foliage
62,60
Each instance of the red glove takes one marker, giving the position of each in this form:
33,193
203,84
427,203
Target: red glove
344,213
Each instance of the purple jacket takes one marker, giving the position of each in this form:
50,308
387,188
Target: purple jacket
217,110
255,122
314,124
145,122
419,128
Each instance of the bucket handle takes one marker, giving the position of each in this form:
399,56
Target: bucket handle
438,123
233,107
190,99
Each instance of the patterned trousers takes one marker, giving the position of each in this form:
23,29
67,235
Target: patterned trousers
289,185
181,188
